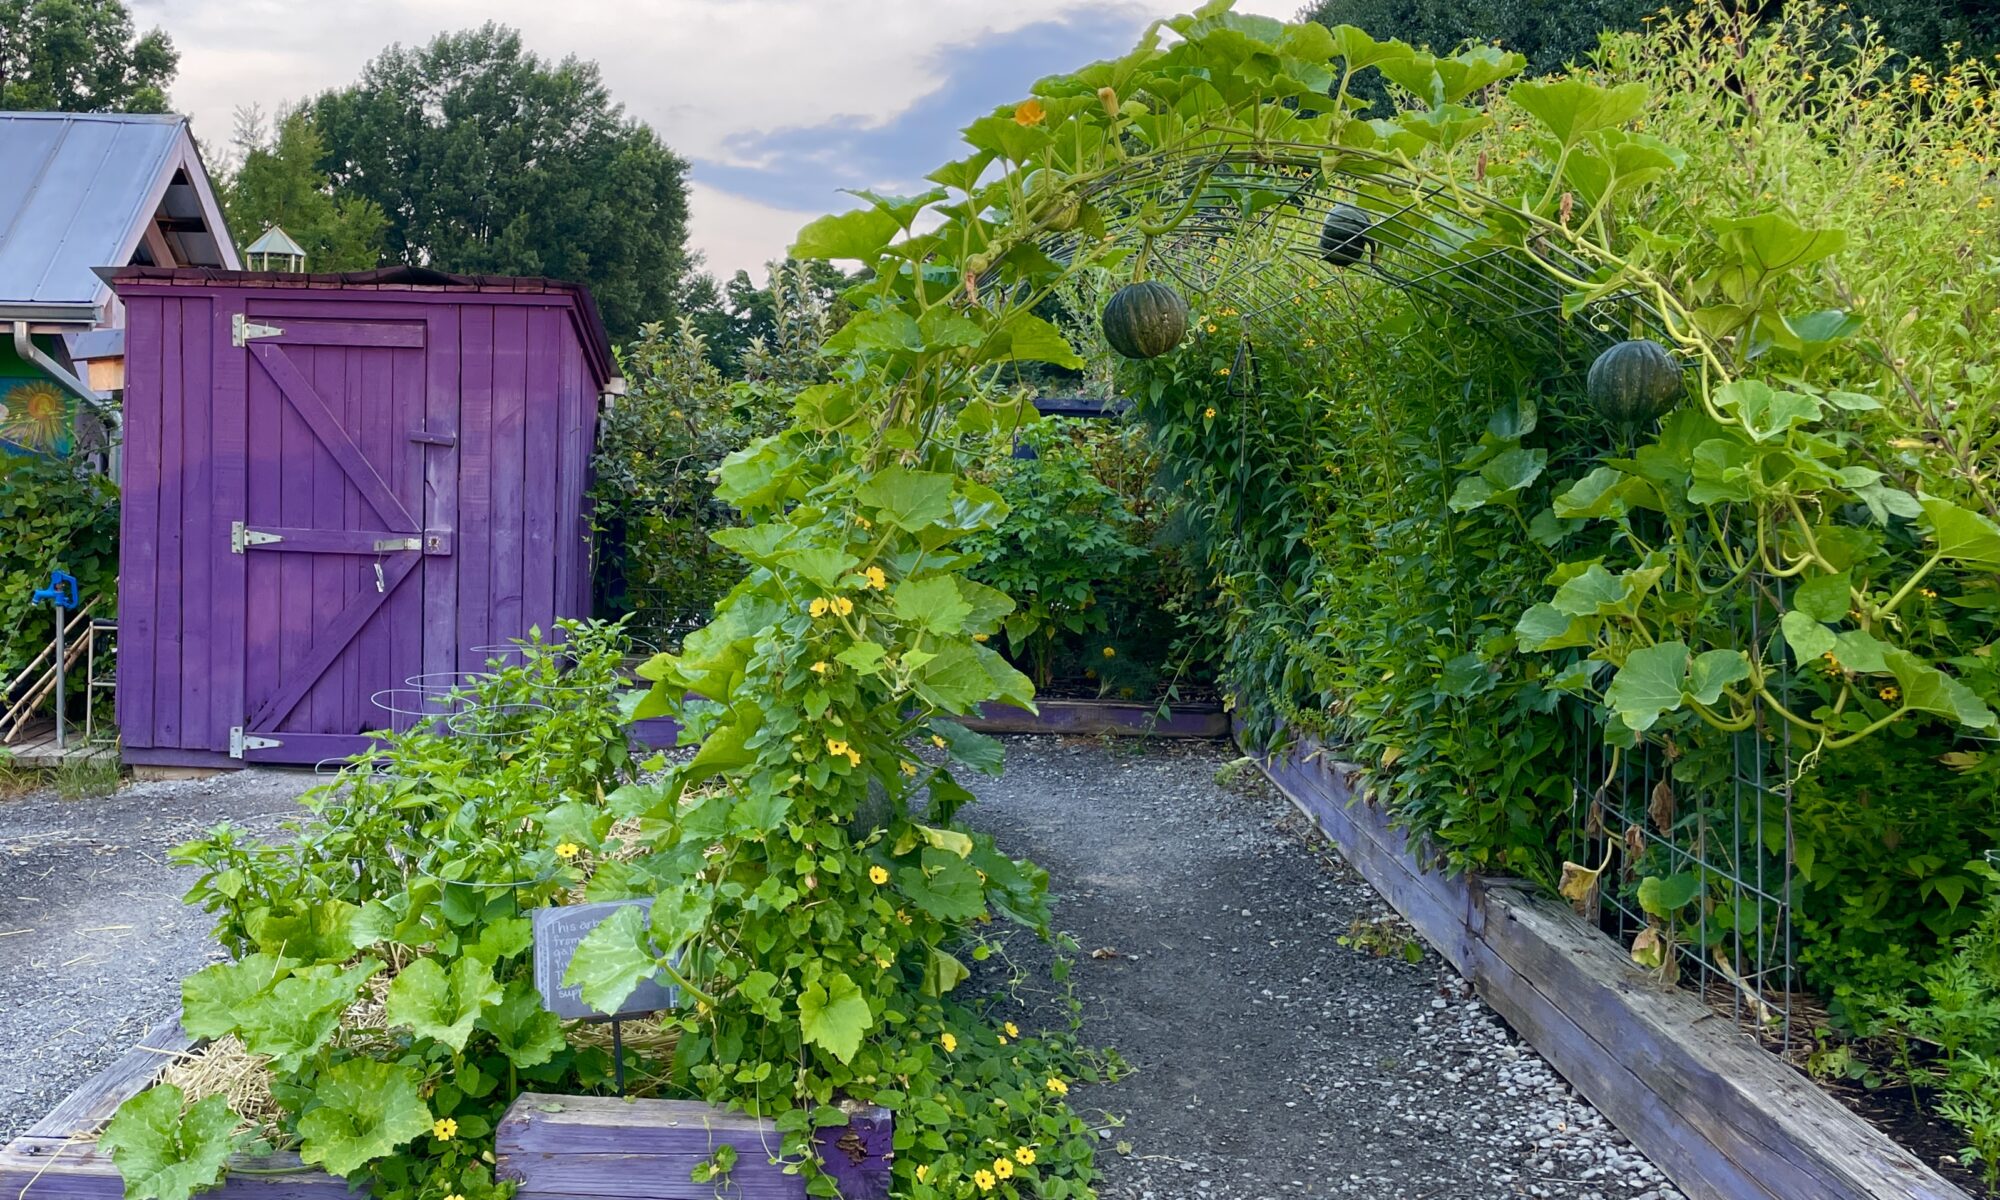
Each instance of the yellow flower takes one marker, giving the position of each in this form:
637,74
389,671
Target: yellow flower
818,607
567,850
876,579
819,668
903,916
909,768
1208,414
1003,1039
1025,1155
842,605
981,637
854,758
1003,1167
984,1179
454,1196
923,1172
878,876
1927,593
1986,202
1920,84
444,1129
937,741
948,1041
864,522
1889,693
835,746
1029,112
1222,371
1211,328
1057,1086
1111,652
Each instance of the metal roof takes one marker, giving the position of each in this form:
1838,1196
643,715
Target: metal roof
81,191
276,241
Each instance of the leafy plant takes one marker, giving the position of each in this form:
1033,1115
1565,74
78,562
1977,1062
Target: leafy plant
56,514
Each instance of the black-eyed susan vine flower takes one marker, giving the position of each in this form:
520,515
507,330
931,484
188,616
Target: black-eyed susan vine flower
1111,652
1890,693
983,1179
1003,1168
1012,1029
1208,414
818,608
444,1129
949,1041
567,850
1025,1155
878,876
876,579
820,668
1056,1086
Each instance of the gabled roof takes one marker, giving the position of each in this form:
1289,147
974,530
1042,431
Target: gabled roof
275,241
85,190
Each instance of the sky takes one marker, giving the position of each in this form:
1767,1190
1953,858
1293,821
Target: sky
776,104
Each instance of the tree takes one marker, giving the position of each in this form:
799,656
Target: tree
81,56
1552,33
277,181
485,158
739,315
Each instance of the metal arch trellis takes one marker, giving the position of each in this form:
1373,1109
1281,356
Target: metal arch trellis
1247,243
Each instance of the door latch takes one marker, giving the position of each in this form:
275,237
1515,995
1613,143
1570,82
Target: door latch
385,545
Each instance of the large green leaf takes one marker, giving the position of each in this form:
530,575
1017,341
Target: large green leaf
527,1033
1713,670
1592,593
1571,107
434,1002
1824,597
1648,685
1766,414
1545,627
1961,534
933,602
858,234
1661,896
297,1016
361,1110
1028,338
214,998
833,1015
912,500
1927,689
1808,638
943,973
164,1154
613,959
945,886
321,932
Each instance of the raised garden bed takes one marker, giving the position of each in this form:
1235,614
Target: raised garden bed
1723,1117
555,1147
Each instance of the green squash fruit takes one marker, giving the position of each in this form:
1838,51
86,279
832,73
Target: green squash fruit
1145,320
1059,213
1343,239
1634,382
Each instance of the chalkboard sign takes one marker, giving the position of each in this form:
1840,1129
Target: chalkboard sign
558,932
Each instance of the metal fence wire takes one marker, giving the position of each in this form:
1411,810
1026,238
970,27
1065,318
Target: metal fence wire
1715,815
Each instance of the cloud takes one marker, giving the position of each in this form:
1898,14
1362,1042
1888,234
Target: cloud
735,233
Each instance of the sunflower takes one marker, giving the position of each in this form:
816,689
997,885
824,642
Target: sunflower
32,414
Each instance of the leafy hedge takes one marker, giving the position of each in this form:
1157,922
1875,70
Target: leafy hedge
55,514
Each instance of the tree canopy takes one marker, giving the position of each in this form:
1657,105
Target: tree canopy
278,181
81,56
484,157
1551,33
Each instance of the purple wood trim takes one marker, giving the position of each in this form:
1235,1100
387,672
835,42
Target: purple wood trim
89,1106
318,540
370,411
332,580
546,335
400,621
268,421
655,733
508,468
172,756
198,545
438,451
566,477
332,639
307,749
45,1169
1722,1116
228,432
307,403
475,483
1091,718
297,605
139,553
171,583
596,1146
346,331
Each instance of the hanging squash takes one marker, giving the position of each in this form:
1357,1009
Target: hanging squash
1145,320
1634,382
1343,239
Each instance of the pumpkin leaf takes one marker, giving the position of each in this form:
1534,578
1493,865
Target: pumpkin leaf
1806,636
213,998
613,960
1713,670
434,1002
1927,689
833,1015
362,1110
859,234
1961,534
1572,108
1648,685
1661,896
527,1033
166,1154
1824,597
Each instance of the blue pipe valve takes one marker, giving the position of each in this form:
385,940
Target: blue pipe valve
61,590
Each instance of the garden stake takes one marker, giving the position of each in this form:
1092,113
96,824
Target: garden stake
61,595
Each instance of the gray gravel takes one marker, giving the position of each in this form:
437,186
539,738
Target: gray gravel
1272,1061
93,937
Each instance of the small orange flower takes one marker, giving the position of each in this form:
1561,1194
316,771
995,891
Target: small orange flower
1029,112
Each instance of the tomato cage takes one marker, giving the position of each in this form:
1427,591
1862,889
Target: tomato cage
1297,255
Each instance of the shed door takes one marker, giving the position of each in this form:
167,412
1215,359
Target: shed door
334,532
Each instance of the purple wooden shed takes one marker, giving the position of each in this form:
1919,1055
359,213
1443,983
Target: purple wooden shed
335,485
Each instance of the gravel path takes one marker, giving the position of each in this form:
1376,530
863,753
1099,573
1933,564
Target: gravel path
1271,1060
93,937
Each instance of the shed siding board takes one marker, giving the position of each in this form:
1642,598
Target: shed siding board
476,409
138,564
543,450
475,484
510,381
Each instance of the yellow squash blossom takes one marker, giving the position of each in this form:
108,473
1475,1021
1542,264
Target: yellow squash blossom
1029,112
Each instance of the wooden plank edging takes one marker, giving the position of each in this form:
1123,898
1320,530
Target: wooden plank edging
1093,718
555,1147
1724,1118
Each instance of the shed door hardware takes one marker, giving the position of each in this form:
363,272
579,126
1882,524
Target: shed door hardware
241,537
242,330
385,545
240,741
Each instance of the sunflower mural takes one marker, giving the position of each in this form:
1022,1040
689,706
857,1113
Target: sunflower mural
34,417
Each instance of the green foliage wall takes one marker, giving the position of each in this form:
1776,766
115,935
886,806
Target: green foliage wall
55,514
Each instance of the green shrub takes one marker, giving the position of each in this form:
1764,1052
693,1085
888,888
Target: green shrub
55,514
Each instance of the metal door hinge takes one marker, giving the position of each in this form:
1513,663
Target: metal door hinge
240,741
242,329
242,536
